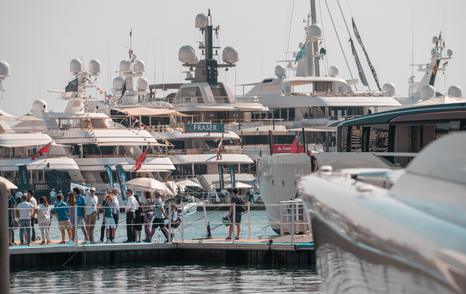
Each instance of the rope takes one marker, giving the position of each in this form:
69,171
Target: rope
338,38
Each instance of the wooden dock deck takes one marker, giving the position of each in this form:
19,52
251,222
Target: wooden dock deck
280,250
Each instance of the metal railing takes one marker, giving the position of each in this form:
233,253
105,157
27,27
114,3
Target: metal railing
196,222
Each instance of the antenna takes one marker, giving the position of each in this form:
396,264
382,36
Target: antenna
130,44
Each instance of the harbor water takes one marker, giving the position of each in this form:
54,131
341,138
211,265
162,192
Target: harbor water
167,278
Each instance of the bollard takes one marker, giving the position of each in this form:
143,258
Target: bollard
4,237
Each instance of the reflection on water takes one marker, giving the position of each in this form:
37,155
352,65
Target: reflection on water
167,279
344,272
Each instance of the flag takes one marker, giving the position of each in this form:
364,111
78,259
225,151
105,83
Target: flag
72,86
141,159
219,149
300,53
43,150
121,173
296,147
108,168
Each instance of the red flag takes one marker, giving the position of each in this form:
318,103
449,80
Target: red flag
141,159
43,150
219,149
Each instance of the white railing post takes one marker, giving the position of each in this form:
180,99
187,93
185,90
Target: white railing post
234,223
169,224
292,222
182,223
249,221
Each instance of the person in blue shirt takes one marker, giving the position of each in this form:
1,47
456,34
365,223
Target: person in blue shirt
62,210
80,213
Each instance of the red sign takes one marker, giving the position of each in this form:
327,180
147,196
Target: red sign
287,148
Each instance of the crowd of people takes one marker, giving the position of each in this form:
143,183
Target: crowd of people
80,210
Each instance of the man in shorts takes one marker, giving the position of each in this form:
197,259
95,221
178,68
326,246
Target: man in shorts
62,210
80,219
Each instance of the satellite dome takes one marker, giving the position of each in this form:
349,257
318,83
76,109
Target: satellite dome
389,89
118,83
39,106
280,71
4,69
333,71
314,31
449,53
230,55
455,91
94,66
138,66
76,65
187,54
125,66
201,21
142,84
427,92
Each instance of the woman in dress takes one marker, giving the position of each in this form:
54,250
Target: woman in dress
147,212
43,217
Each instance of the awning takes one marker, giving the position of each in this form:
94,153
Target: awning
51,163
210,158
11,140
151,164
111,137
149,111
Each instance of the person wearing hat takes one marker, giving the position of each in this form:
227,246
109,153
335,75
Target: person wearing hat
91,213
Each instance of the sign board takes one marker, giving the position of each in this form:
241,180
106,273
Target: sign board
121,179
204,128
287,148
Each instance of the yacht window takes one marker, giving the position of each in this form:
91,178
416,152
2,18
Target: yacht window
183,170
191,92
323,87
200,169
356,139
220,94
378,138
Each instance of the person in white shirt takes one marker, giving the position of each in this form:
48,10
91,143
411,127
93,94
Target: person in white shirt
43,217
131,206
33,201
53,196
25,211
91,213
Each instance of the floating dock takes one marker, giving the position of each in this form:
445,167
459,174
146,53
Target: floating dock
281,250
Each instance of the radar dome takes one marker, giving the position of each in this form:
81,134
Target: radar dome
449,53
314,31
125,66
201,21
455,91
427,92
333,71
39,106
118,83
4,69
187,54
94,66
138,66
280,71
142,84
76,65
389,89
230,55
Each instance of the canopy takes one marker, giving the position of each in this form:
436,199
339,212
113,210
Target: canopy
9,185
149,184
48,163
11,140
149,111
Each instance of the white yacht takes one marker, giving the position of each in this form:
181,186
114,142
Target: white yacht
423,92
409,238
94,140
20,161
